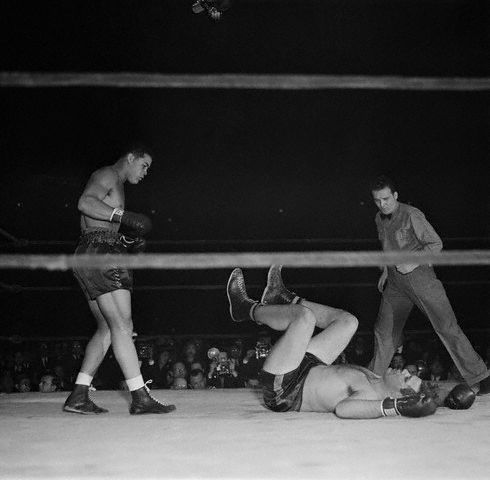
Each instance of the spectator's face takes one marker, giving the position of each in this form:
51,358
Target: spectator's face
179,384
76,348
59,372
24,385
46,384
222,357
179,370
18,357
196,366
235,351
190,350
436,368
164,357
197,382
397,362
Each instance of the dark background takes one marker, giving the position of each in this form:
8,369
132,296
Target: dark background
242,170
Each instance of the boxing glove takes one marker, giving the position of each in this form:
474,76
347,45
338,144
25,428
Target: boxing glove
461,397
133,245
409,406
136,222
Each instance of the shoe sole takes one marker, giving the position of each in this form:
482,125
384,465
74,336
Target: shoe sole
74,410
262,300
228,292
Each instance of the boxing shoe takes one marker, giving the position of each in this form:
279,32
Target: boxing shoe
143,402
484,387
79,402
241,306
275,292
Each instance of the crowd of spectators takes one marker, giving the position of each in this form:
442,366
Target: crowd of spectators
198,362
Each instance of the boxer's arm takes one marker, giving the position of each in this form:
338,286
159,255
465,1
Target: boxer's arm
356,408
91,201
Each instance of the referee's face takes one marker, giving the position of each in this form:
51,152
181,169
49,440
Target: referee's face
385,200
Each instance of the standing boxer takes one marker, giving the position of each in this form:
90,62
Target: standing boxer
108,290
402,227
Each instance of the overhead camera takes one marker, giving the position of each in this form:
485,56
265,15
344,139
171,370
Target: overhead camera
214,8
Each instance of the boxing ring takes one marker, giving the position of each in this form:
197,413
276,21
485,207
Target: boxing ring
229,433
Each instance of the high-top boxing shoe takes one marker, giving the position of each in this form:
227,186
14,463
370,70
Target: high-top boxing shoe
80,402
484,386
275,292
143,402
241,305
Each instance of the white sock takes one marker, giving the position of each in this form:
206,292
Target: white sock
135,383
84,379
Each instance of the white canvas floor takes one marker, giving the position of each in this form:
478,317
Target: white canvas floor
229,434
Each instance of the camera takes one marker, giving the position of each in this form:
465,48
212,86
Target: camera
223,364
214,8
262,349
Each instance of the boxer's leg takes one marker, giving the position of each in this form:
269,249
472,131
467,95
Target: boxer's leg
332,341
99,343
79,401
297,321
339,326
116,309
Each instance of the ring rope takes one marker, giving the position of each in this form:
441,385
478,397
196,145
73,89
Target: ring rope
214,287
240,81
196,261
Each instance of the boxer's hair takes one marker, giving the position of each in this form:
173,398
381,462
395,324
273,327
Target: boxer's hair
139,150
382,181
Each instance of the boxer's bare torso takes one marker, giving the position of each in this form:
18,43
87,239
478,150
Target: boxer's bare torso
326,386
105,185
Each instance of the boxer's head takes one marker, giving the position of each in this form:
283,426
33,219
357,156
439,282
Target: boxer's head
138,167
402,382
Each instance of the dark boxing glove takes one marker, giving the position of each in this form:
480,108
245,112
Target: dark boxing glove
136,222
409,406
461,397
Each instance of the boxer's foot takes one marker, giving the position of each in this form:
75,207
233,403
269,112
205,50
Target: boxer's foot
484,386
275,292
79,402
143,402
241,305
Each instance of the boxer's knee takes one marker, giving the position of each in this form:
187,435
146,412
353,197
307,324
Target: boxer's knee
303,315
349,321
124,326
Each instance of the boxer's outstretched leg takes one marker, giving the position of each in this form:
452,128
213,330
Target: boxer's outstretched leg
297,321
